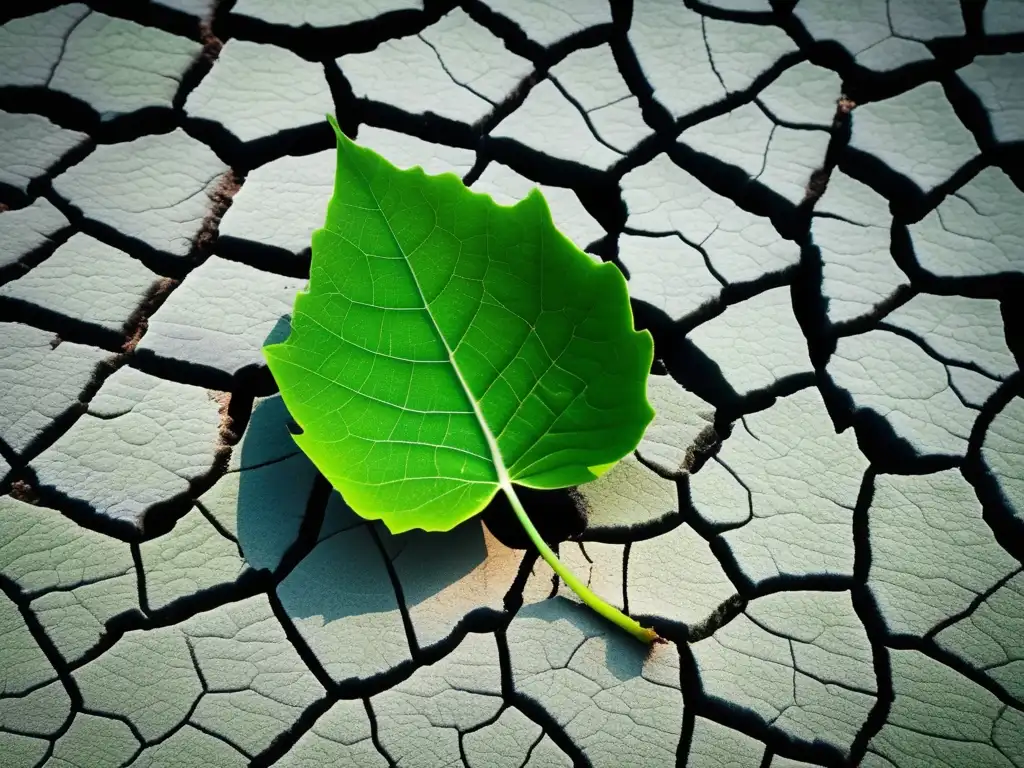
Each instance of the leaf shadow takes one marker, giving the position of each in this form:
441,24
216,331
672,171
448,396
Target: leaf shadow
339,577
328,545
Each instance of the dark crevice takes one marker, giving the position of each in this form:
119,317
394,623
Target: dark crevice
870,616
820,582
1002,287
64,47
689,689
301,648
151,15
909,203
710,57
66,420
36,256
403,607
266,258
742,720
309,529
703,376
759,18
72,329
746,588
922,342
130,726
868,321
532,709
444,67
632,534
886,449
255,378
221,195
158,518
951,660
656,469
699,247
514,597
747,192
140,576
864,85
71,587
474,173
698,702
839,140
248,585
489,721
236,419
543,168
217,525
160,262
529,750
654,114
79,512
316,43
137,324
195,665
39,184
670,335
213,734
666,136
809,304
583,114
971,112
975,603
625,574
515,39
284,742
557,514
163,516
375,732
267,463
711,529
63,673
197,70
245,156
346,108
428,126
70,112
997,511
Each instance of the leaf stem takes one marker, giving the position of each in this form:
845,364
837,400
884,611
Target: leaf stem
610,612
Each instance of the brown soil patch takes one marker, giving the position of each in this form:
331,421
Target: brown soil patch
23,491
138,323
225,429
221,197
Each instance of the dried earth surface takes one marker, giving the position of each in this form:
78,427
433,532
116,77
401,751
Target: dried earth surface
819,210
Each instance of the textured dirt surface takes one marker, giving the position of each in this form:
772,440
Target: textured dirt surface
818,209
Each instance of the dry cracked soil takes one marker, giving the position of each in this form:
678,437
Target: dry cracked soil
820,215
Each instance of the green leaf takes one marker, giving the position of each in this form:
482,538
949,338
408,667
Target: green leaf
447,347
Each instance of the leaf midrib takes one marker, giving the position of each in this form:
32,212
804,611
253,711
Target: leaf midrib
496,459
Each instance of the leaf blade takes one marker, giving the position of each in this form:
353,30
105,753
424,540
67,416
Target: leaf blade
447,344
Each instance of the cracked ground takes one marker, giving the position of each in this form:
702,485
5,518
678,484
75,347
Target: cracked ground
818,207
